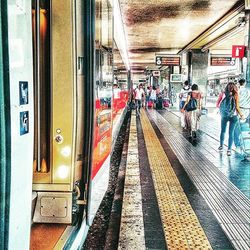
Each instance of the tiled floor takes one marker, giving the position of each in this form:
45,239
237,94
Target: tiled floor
236,170
174,197
204,164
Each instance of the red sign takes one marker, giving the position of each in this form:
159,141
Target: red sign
238,51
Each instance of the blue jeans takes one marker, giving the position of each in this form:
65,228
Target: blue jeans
138,105
237,132
232,123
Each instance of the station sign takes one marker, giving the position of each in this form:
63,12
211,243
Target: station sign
238,51
222,61
168,60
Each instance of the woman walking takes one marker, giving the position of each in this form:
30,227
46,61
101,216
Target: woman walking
192,106
228,103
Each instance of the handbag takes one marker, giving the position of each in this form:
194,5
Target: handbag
192,104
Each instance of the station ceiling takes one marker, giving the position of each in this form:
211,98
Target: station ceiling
170,26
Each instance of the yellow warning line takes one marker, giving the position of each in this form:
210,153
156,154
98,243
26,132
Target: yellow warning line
181,226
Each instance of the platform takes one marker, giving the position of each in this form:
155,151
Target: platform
179,194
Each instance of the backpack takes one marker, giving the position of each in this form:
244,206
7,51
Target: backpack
192,104
228,106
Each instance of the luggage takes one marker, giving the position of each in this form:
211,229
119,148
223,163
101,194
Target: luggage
150,104
166,103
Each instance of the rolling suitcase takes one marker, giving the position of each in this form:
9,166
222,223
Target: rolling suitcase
150,104
166,103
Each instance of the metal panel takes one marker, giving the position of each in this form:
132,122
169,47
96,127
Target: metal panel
53,207
62,89
51,187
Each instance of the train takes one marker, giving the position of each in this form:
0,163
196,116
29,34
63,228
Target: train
64,90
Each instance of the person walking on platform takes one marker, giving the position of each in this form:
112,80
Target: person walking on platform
193,108
139,93
153,96
228,103
244,103
148,90
183,97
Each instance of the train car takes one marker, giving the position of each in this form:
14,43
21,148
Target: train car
60,121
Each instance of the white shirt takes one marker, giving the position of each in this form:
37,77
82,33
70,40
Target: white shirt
184,93
139,93
153,94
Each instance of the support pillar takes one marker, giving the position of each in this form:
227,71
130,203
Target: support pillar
199,64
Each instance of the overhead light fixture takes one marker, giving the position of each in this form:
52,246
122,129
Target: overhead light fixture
119,33
247,4
223,37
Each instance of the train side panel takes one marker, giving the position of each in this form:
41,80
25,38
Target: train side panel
21,94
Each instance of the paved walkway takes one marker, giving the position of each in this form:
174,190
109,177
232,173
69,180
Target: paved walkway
206,168
236,170
174,197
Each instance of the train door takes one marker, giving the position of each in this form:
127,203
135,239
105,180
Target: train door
20,128
57,110
4,129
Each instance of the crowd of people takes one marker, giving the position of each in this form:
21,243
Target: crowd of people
233,104
150,97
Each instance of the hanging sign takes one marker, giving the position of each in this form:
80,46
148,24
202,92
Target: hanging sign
238,51
222,61
167,60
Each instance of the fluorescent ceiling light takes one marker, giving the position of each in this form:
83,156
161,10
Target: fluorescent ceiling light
119,33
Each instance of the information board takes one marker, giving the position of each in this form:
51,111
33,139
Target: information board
222,61
167,60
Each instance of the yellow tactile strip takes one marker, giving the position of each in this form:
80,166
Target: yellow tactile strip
132,228
181,226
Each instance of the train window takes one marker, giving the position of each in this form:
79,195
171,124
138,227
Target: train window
42,84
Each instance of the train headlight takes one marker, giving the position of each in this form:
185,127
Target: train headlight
63,172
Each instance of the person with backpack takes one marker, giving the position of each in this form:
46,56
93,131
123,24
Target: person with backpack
193,108
183,97
228,103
